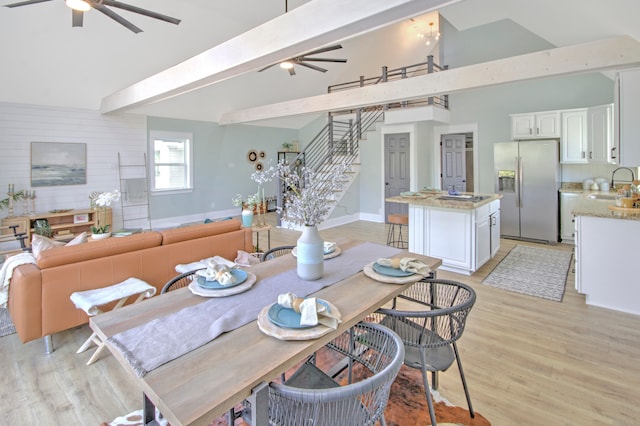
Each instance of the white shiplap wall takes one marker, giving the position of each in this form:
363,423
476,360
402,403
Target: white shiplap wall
105,136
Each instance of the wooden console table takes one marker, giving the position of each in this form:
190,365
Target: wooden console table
64,224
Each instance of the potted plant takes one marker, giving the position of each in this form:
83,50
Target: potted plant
100,201
247,204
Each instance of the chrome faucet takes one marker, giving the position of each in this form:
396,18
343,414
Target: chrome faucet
614,172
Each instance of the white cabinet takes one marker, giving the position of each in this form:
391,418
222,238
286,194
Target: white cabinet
568,202
574,136
600,135
627,124
494,222
483,237
539,125
462,238
605,255
587,135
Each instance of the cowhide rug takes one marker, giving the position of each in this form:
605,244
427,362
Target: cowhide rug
407,405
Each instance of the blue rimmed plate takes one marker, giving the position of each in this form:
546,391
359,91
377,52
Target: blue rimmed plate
239,274
288,318
389,271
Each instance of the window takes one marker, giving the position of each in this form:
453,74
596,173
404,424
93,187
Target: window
171,164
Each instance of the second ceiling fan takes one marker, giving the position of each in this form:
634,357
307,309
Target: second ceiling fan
78,7
303,60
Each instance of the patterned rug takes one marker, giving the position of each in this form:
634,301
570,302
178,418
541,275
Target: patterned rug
6,325
407,405
534,271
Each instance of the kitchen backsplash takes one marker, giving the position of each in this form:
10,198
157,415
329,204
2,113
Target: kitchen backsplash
579,172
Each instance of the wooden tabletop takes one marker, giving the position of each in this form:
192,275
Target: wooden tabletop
204,384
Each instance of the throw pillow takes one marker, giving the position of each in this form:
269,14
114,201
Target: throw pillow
79,239
40,244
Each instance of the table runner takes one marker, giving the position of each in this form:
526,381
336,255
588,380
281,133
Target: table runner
163,339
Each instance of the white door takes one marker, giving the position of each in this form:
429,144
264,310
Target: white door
396,171
454,168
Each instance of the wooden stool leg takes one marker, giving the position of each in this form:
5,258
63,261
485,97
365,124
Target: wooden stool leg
94,337
96,353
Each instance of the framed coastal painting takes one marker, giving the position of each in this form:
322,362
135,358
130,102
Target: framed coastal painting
58,163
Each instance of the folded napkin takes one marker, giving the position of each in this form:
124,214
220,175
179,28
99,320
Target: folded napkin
329,246
407,264
202,264
311,312
220,272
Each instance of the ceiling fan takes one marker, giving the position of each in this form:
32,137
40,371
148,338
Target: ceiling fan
305,58
78,7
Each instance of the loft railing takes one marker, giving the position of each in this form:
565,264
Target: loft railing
387,75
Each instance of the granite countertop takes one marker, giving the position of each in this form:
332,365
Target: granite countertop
586,206
430,199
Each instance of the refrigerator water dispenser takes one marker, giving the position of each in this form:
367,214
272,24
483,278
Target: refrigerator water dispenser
506,181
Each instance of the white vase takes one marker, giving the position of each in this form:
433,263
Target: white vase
101,236
247,218
310,254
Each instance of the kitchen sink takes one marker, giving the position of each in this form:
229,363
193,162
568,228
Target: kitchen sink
472,198
602,196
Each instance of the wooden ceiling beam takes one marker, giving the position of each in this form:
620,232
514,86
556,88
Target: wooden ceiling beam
609,54
315,24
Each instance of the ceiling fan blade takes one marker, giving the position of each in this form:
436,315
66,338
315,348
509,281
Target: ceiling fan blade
139,10
25,3
292,71
119,19
306,58
313,67
267,67
324,49
76,18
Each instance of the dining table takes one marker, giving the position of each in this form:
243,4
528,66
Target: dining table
205,383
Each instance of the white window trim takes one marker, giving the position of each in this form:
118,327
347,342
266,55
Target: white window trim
160,134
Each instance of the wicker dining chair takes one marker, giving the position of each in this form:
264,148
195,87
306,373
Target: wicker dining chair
276,252
433,320
179,281
312,397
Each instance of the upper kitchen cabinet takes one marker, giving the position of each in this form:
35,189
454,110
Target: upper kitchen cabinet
540,125
574,136
587,136
627,111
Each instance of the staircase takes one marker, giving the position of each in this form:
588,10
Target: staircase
339,141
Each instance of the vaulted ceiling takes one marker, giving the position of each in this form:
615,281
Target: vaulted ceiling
47,62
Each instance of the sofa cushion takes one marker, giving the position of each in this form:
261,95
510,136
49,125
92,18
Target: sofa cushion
176,235
97,249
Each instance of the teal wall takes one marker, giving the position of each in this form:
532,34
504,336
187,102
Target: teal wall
221,168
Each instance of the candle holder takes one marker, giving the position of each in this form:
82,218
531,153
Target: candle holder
32,204
10,194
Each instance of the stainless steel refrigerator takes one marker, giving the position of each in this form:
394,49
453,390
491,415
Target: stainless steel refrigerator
528,178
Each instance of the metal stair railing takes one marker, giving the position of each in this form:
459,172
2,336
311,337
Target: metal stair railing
337,142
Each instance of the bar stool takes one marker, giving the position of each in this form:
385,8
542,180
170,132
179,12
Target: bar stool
399,220
89,301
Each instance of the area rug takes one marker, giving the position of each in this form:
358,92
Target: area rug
6,325
407,407
535,271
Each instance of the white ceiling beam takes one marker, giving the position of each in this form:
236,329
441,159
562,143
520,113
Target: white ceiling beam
608,54
312,25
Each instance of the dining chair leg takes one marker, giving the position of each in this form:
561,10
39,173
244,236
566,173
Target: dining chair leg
425,380
464,381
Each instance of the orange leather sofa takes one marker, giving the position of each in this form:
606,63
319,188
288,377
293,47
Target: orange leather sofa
39,293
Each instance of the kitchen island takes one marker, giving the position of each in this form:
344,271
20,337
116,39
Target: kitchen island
606,255
463,230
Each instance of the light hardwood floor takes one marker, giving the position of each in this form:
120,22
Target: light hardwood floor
528,361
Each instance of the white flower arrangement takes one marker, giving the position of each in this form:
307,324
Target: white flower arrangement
308,201
249,201
102,200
